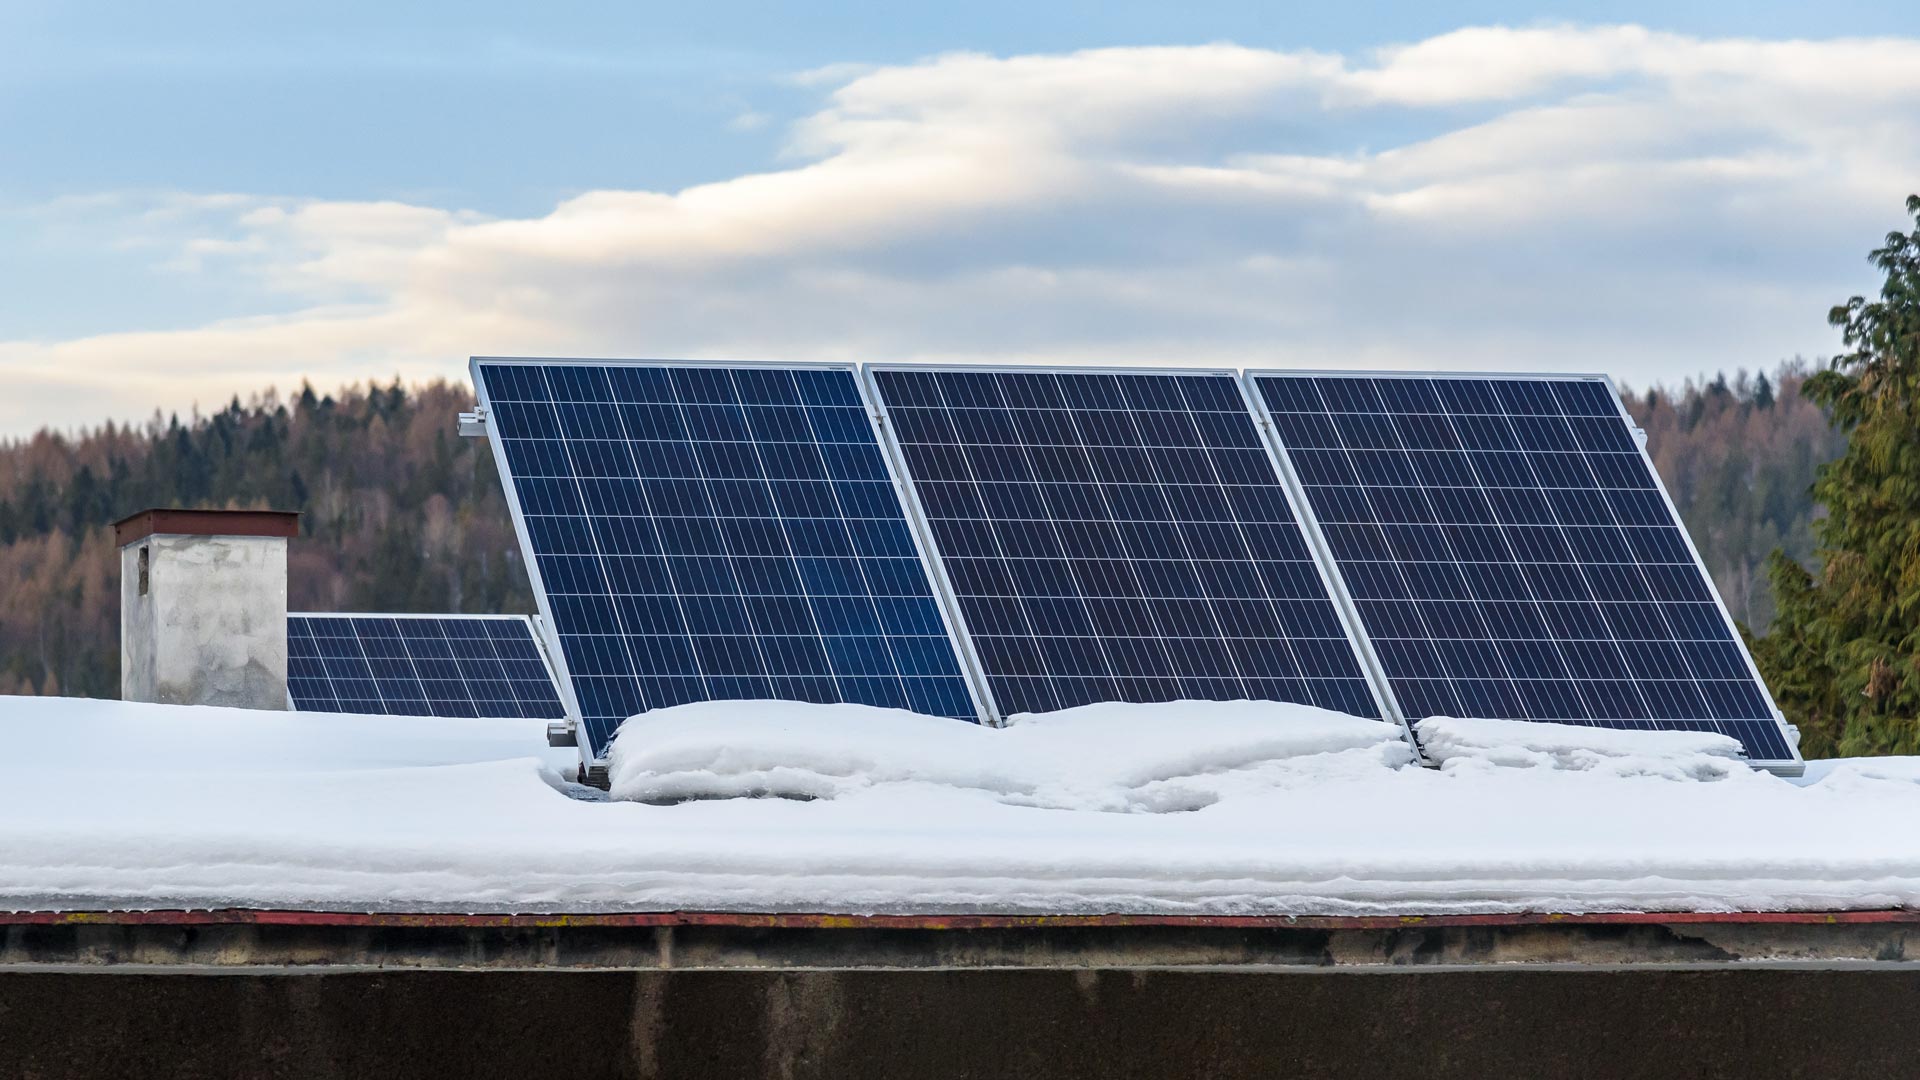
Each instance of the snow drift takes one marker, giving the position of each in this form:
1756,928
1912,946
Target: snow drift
1454,743
1106,758
1180,808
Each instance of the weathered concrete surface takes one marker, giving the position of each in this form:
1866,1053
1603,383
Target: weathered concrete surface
1033,1025
694,941
211,628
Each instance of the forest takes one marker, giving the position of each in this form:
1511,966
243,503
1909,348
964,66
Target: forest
401,514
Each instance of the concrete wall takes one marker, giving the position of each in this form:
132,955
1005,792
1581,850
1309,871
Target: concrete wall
1030,1025
212,626
331,995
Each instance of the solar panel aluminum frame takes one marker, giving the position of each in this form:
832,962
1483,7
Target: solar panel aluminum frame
1794,766
1294,503
534,628
557,657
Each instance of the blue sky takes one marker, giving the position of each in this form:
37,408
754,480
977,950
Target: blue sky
207,198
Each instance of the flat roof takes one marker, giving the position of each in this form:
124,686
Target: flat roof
814,920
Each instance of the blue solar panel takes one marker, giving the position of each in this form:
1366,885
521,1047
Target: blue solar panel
1510,554
1118,537
717,532
443,665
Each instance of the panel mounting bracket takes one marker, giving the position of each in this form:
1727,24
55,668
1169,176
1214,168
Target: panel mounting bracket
474,424
561,733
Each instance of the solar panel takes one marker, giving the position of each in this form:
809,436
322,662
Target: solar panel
418,665
716,532
1118,536
1509,553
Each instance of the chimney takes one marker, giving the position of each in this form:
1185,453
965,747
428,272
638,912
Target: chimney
203,606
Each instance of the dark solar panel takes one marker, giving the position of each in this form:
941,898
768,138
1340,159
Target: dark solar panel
1118,537
710,532
1510,554
444,665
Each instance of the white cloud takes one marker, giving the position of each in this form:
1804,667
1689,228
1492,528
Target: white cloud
1602,198
1497,63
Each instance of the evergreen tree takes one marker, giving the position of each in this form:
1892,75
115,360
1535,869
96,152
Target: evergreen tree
83,499
1843,656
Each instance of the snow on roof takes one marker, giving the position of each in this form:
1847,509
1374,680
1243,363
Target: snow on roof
1453,742
1237,808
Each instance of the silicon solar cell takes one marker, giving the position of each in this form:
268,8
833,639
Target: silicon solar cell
716,532
1510,554
1118,536
434,665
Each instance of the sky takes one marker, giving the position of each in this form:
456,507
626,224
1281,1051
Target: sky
207,199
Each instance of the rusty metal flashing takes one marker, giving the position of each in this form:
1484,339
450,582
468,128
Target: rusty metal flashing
311,941
176,522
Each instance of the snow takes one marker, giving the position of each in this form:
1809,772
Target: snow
1842,770
1180,808
1454,744
1102,758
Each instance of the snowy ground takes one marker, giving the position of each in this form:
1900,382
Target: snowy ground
1236,808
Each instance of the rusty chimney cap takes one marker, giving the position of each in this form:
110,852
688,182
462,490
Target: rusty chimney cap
173,522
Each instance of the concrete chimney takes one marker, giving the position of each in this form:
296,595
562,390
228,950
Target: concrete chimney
203,606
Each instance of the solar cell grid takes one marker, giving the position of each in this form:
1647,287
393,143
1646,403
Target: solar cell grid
1117,536
1509,554
712,532
418,666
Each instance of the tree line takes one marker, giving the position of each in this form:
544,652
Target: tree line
398,513
1739,455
